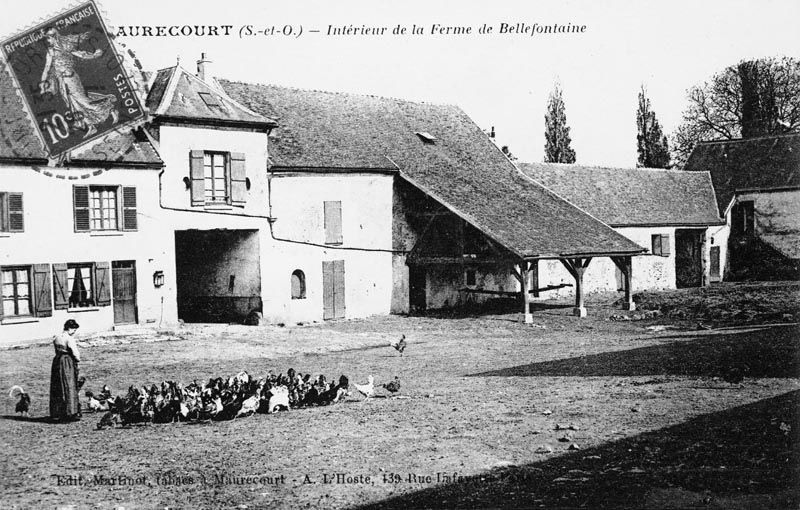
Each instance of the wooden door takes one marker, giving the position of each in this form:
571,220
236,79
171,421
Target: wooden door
123,275
333,306
715,263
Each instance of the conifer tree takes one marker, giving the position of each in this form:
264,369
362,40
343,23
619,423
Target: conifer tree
557,141
650,139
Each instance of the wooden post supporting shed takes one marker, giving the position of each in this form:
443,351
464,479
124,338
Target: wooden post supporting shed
576,267
625,266
522,273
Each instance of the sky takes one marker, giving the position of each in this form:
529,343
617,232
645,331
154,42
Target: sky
500,80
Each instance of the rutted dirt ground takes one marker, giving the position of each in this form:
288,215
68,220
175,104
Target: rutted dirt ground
654,425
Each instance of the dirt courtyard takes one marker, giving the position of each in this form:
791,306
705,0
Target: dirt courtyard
564,413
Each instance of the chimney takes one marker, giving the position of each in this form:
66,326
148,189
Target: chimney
202,67
491,133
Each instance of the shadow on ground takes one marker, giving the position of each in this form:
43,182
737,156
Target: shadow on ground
744,457
770,352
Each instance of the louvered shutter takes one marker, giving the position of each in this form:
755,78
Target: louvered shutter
197,177
129,219
665,251
1,287
16,220
60,289
102,283
43,304
80,205
333,222
238,179
3,212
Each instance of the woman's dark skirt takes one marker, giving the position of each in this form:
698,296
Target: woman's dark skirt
64,401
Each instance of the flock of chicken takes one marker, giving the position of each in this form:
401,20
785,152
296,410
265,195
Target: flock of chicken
224,399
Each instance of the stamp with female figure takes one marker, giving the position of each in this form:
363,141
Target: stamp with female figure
72,79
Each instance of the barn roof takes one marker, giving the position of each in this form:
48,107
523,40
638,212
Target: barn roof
438,149
20,143
759,164
632,196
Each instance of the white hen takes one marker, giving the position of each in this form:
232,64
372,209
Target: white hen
368,390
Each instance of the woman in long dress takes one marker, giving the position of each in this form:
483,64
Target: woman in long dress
64,402
60,75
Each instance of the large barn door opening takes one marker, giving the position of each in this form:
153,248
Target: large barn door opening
333,306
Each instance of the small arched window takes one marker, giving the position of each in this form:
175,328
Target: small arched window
298,285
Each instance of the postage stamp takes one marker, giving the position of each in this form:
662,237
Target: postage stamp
72,79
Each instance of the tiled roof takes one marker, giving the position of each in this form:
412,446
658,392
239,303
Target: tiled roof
632,196
462,168
763,163
19,140
178,94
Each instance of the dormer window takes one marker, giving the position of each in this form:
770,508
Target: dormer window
426,137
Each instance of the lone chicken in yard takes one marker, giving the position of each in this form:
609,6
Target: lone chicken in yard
399,345
392,386
368,390
24,403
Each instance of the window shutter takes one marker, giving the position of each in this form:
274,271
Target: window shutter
655,244
16,219
42,288
197,177
333,222
338,289
102,286
665,245
238,179
80,205
327,289
129,219
1,284
60,290
3,212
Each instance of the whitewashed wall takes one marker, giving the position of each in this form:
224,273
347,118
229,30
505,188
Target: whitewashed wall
50,238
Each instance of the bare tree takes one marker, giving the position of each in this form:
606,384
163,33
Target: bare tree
752,98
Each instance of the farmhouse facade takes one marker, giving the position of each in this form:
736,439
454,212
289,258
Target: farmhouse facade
757,183
243,202
671,213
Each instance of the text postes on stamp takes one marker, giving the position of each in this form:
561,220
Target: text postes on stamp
72,79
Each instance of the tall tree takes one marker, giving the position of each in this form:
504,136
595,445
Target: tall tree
556,132
751,98
650,139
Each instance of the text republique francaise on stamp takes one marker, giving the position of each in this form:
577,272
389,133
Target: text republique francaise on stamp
71,79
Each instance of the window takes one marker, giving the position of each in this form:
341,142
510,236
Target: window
16,291
298,285
215,174
660,245
104,208
470,278
11,214
217,177
333,222
80,285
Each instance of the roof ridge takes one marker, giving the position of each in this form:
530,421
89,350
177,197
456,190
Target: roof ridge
615,168
335,93
755,138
